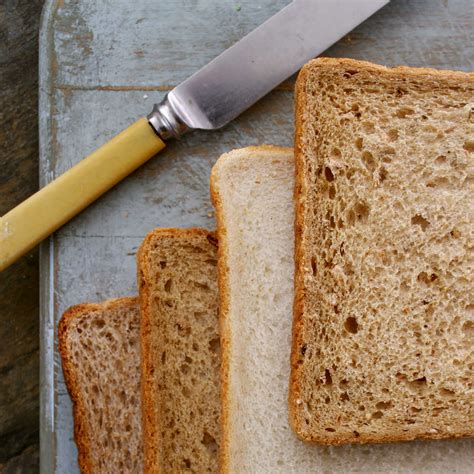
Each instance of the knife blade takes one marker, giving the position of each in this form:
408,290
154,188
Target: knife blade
209,99
255,65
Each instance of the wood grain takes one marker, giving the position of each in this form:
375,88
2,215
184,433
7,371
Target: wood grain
19,322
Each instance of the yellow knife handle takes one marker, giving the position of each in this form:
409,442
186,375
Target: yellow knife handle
40,215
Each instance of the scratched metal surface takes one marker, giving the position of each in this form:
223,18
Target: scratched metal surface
102,65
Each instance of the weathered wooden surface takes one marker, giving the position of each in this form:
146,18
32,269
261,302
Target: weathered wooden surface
105,64
19,304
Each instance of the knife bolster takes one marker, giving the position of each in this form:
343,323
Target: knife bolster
165,120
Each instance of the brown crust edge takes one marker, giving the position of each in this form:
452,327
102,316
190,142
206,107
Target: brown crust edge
223,282
150,413
298,307
82,434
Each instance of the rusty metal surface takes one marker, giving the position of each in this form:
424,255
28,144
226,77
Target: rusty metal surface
103,64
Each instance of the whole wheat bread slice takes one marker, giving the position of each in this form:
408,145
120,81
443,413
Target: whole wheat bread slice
177,273
252,190
99,347
383,322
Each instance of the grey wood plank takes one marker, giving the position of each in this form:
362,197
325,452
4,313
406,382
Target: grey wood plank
105,64
159,44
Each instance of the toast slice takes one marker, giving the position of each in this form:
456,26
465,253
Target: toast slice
252,190
384,320
99,347
177,274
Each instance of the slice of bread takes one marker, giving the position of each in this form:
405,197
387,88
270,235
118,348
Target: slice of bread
177,276
383,323
99,347
252,190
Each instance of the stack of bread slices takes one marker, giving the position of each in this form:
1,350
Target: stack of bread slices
333,305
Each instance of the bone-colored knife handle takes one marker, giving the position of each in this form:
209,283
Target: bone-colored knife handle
40,215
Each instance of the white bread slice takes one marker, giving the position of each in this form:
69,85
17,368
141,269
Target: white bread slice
252,190
100,351
384,320
177,273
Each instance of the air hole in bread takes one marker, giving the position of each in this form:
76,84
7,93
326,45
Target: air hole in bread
351,325
418,219
469,145
168,285
376,415
369,127
426,278
441,182
331,430
355,107
403,112
383,174
332,192
344,397
328,174
393,134
183,331
336,152
359,143
162,265
368,160
214,345
200,316
327,377
99,323
209,442
314,266
417,384
383,405
202,286
445,392
184,369
351,217
468,326
211,261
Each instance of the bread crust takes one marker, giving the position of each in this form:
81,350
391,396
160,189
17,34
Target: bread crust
82,430
224,290
426,74
150,413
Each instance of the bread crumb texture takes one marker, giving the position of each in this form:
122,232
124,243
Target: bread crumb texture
181,351
384,309
99,346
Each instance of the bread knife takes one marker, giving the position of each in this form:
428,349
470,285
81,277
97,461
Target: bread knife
207,100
